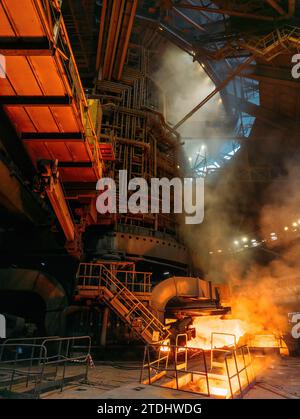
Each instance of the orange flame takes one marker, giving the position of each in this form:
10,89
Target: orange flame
219,391
233,330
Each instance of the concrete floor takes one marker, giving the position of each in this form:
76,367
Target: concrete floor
280,380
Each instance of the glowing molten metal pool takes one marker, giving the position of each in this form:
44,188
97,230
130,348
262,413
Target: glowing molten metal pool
218,361
227,332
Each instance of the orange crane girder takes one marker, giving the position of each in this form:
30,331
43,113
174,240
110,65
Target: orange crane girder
43,97
42,94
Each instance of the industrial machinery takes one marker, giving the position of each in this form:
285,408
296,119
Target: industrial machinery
80,101
129,294
71,137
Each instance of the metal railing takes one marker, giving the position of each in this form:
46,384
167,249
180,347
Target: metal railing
135,281
30,366
214,350
34,341
186,369
286,37
239,371
96,278
182,349
172,364
269,342
19,371
53,24
275,43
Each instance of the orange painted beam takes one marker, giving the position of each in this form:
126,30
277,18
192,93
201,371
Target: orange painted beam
34,91
127,38
100,37
112,34
57,199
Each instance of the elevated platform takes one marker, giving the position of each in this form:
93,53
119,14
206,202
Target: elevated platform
42,92
98,282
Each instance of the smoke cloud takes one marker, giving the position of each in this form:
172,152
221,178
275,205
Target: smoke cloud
263,292
263,295
185,84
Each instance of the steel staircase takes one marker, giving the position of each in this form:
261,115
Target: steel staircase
275,43
96,281
279,41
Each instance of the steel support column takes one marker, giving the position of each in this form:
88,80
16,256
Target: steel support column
276,6
105,318
228,12
221,86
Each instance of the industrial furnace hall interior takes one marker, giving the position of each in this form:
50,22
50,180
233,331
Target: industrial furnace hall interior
149,199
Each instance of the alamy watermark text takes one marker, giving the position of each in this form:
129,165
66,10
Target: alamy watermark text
163,195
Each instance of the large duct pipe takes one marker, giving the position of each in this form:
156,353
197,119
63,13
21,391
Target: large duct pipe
176,287
48,288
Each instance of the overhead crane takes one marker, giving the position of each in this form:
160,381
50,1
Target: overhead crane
44,99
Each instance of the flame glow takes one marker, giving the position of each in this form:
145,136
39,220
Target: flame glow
219,391
206,325
165,346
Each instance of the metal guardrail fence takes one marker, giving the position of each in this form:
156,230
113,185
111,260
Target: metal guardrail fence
186,369
31,366
167,366
239,371
96,279
135,281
